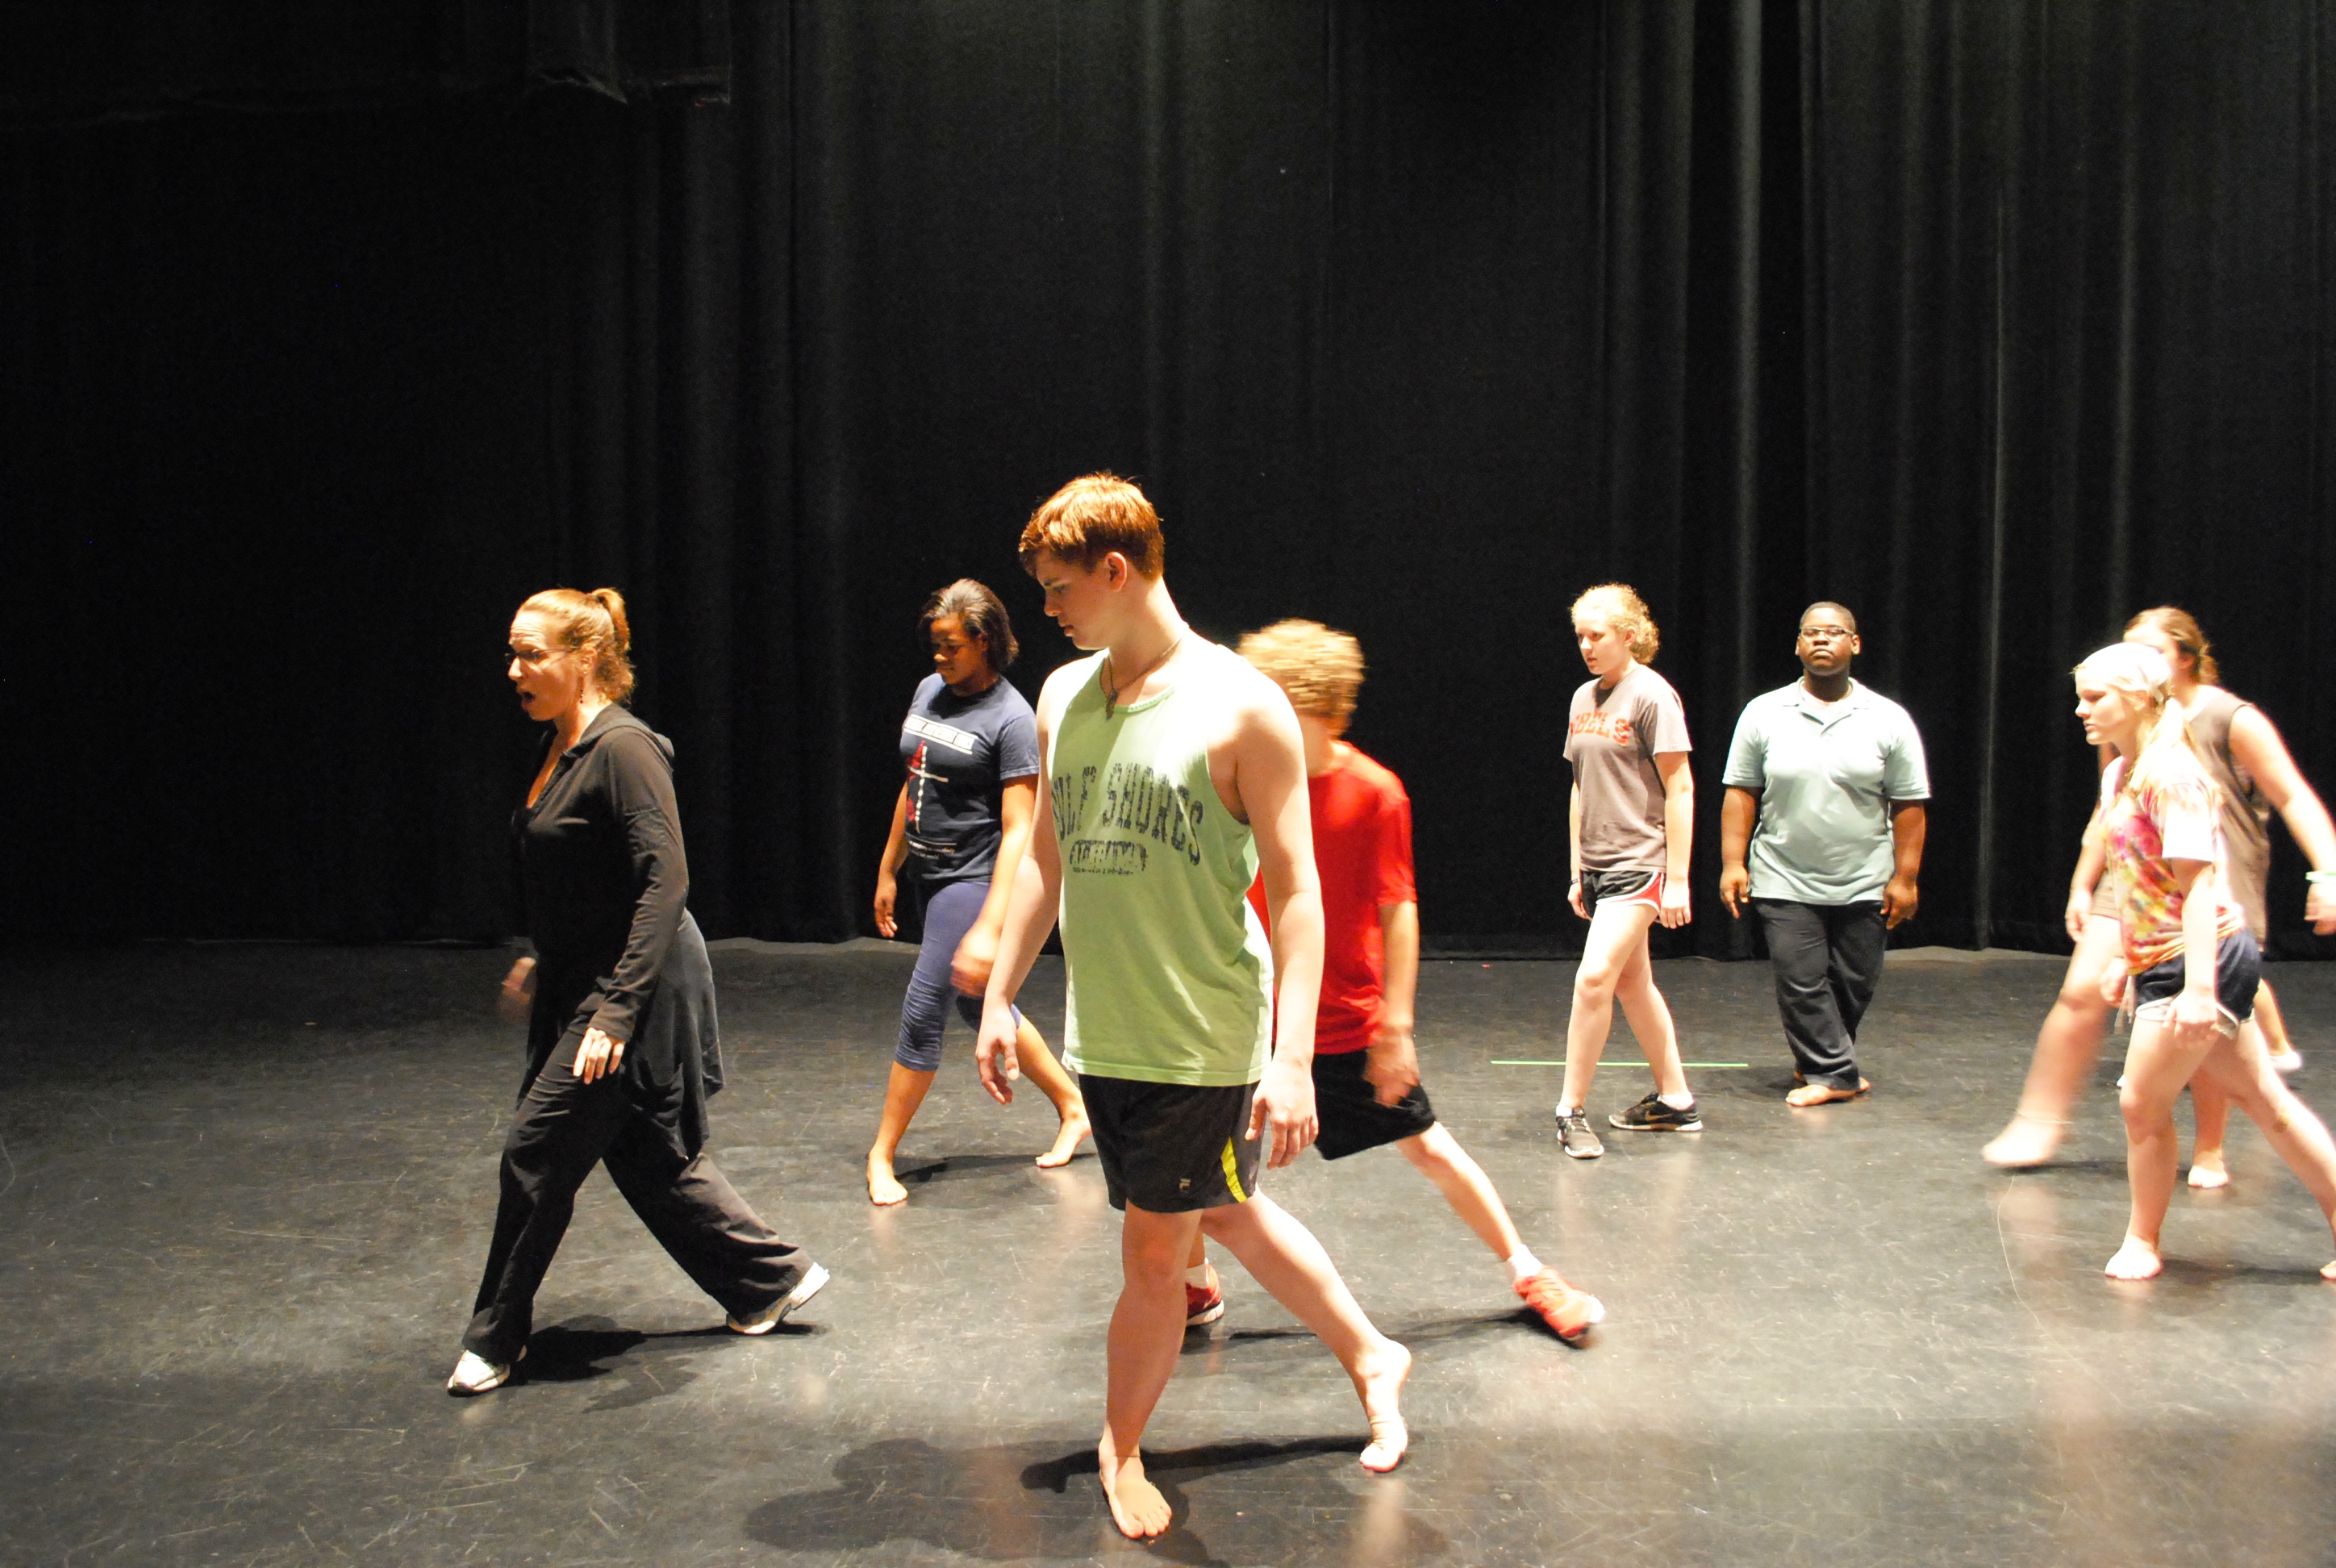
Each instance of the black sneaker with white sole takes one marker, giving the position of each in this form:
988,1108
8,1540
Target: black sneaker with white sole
1574,1131
1652,1116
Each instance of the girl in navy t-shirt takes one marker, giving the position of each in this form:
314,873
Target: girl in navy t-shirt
969,746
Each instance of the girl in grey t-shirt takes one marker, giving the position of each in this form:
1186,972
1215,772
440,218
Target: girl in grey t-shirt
1632,817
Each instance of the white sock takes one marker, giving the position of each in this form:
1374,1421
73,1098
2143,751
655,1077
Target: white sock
1564,1110
1198,1276
1678,1101
1523,1264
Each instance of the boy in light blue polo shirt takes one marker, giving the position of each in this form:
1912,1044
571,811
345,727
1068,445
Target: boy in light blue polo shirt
1833,774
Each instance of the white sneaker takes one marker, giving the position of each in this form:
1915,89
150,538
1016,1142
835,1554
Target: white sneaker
475,1374
771,1316
2287,1061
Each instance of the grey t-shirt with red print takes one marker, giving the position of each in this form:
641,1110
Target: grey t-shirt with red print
1611,738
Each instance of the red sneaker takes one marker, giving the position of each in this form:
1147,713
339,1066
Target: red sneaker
1569,1312
1203,1304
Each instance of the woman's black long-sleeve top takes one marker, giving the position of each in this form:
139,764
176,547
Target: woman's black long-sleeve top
606,884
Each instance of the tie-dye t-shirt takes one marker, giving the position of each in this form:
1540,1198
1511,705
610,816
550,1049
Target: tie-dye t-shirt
2167,819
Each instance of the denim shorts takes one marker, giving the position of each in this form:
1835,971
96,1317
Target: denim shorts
2238,970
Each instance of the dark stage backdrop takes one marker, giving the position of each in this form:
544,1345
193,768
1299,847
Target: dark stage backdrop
329,332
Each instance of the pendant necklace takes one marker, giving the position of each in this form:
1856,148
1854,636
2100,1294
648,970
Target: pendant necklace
1111,688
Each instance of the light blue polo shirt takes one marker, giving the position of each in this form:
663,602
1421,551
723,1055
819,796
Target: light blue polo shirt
1826,776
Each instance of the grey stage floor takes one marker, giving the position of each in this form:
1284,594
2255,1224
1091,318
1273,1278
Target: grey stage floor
245,1191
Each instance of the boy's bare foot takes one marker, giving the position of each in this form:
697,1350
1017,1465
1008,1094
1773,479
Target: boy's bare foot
1067,1139
2208,1170
1825,1093
1137,1505
2028,1140
2136,1260
1379,1380
884,1188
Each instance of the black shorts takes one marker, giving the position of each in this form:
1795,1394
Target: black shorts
2238,971
1622,887
1173,1148
1352,1118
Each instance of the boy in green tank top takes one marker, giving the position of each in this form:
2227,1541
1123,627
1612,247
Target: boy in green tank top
1173,775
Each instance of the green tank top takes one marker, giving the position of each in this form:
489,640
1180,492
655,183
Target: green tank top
1170,977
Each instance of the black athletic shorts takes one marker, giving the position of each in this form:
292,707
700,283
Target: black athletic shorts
1352,1118
1173,1148
1623,887
2238,971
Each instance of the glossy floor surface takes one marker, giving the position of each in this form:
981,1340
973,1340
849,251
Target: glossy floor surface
246,1191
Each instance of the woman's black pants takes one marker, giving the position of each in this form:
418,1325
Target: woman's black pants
564,1127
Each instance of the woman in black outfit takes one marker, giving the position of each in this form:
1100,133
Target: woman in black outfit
622,1045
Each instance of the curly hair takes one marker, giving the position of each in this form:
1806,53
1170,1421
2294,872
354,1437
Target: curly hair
1625,612
1321,670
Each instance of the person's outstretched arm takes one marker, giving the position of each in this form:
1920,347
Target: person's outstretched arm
1269,779
2255,745
1739,809
977,954
887,869
1910,824
1679,833
1031,904
1394,1065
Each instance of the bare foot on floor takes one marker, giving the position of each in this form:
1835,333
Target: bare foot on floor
2027,1140
1809,1094
1379,1380
1137,1505
2136,1260
2207,1171
884,1188
1067,1139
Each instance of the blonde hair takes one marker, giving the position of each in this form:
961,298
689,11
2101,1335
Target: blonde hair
1321,670
1625,612
1089,517
594,625
2167,749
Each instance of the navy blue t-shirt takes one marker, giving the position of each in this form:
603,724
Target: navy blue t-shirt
958,751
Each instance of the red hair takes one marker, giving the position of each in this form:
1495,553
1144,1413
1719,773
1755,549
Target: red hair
1091,517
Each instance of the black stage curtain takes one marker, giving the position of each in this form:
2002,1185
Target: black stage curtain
1994,320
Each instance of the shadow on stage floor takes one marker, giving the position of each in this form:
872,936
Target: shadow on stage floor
244,1192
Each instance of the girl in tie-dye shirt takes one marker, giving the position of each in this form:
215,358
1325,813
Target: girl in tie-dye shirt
2190,963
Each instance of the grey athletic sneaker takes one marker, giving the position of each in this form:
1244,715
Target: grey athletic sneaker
1652,1116
1574,1131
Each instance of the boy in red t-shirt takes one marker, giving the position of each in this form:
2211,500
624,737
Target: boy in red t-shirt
1367,1087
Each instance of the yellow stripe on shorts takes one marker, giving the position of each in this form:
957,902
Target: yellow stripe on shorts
1232,1174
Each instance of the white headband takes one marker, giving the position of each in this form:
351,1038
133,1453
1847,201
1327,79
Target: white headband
2132,665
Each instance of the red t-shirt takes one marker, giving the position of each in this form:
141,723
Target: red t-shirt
1362,851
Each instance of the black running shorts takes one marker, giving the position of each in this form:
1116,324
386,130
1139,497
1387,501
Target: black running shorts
1623,888
1352,1118
1173,1148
